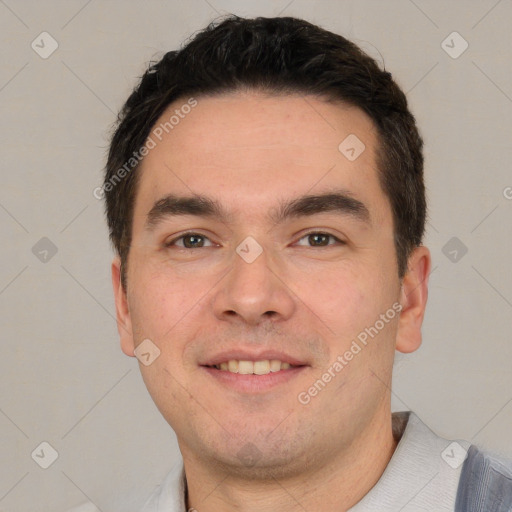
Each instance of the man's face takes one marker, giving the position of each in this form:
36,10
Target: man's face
325,274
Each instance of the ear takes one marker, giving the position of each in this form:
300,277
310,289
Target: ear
124,323
413,298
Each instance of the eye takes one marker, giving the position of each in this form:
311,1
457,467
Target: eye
189,241
319,239
197,241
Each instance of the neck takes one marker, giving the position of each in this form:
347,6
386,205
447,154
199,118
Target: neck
333,486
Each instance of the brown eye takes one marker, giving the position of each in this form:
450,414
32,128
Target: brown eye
189,241
319,239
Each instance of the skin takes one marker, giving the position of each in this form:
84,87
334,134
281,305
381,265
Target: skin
249,151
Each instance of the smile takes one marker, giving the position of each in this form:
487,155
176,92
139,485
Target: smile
244,367
243,378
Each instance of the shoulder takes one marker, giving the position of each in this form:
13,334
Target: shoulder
489,462
485,481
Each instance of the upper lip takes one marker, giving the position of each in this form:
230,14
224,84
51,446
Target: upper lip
251,355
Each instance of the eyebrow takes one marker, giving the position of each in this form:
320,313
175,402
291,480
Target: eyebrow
340,202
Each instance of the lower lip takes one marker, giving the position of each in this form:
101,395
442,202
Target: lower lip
253,383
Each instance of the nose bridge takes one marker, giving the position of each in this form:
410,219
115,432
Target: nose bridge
253,289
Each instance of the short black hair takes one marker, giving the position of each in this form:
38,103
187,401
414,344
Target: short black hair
282,55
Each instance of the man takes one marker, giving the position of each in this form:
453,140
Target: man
265,198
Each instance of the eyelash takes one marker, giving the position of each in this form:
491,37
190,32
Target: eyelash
192,233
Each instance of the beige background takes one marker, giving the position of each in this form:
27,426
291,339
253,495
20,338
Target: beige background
63,378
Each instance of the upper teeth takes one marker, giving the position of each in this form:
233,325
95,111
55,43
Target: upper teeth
256,367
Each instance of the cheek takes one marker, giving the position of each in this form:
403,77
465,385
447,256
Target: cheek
343,297
156,304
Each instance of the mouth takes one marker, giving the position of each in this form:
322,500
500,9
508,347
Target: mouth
246,367
253,375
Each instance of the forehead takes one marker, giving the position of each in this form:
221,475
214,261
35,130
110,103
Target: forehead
246,148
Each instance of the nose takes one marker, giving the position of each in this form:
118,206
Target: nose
255,292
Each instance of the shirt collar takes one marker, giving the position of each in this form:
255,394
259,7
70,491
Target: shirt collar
419,476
